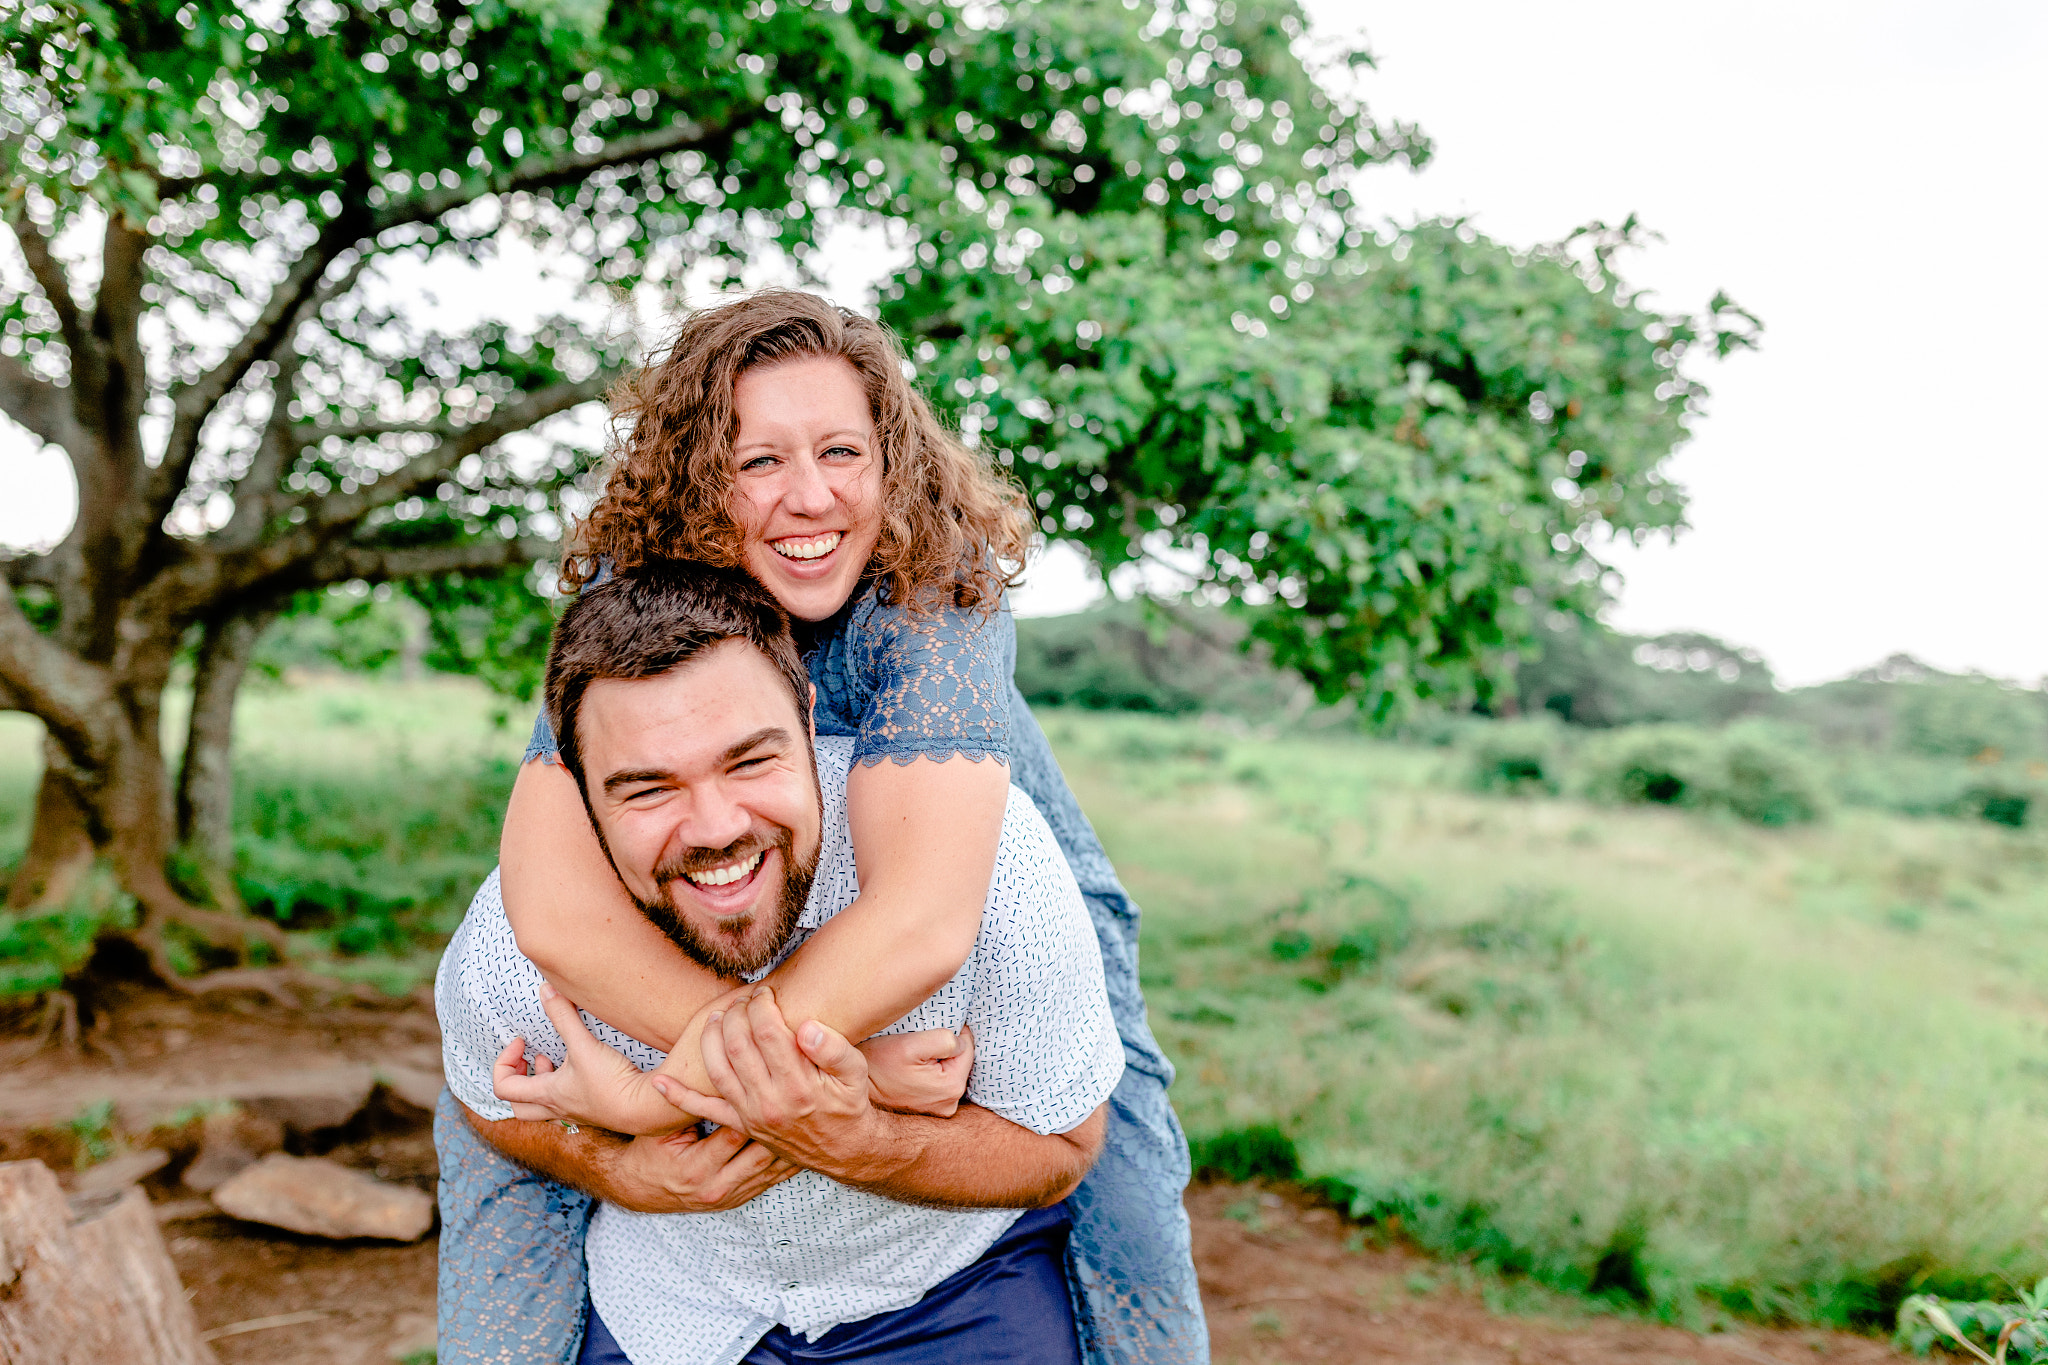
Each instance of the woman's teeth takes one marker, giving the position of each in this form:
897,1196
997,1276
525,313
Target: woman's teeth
727,875
807,547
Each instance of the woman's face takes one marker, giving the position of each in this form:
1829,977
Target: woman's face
807,481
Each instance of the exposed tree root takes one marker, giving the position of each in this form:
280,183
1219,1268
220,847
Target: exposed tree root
277,983
223,928
59,1021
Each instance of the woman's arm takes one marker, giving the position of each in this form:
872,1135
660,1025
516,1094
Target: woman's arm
574,920
924,840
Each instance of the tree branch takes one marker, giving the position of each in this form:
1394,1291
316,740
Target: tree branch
38,405
539,173
49,275
345,562
296,298
48,681
301,294
341,509
305,435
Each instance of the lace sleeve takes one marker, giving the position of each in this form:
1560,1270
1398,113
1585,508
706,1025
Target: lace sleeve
542,745
931,685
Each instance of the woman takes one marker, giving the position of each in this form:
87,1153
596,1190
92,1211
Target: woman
780,435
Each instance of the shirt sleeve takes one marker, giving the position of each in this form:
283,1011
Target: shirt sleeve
486,993
471,990
934,684
1046,1045
542,746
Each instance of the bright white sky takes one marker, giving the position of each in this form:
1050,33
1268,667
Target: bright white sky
1868,177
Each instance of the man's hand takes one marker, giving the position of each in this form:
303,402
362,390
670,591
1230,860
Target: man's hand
679,1173
804,1094
685,1173
919,1073
595,1085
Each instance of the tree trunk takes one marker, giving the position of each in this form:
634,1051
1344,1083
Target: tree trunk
96,1290
132,817
60,843
206,779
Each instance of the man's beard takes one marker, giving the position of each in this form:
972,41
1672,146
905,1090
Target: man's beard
724,949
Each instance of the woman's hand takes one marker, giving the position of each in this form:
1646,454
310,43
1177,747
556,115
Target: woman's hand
685,1173
595,1085
920,1073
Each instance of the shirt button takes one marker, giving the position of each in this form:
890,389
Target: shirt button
791,1285
782,1242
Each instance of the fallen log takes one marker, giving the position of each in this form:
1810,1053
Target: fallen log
90,1289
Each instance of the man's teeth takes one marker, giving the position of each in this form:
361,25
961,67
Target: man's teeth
727,875
811,547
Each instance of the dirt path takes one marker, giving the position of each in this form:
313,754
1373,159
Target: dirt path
1283,1279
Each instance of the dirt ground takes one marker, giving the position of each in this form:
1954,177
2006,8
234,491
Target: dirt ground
1283,1279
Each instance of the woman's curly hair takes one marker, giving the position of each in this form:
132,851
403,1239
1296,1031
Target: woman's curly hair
950,522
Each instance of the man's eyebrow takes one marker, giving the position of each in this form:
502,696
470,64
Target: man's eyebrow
767,734
633,777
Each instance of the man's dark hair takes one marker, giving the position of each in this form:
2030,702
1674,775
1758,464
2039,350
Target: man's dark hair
650,619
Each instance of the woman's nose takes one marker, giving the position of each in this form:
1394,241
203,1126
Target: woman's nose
808,492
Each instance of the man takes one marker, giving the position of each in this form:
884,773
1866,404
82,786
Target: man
683,711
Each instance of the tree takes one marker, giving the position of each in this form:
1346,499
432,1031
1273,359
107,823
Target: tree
213,210
1390,453
1135,269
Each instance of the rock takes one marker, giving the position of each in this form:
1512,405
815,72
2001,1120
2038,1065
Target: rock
417,1087
311,1100
120,1172
322,1198
183,1210
230,1143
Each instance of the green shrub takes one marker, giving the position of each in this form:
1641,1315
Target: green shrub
1259,1152
2000,802
1765,778
1514,756
1662,765
1351,923
1128,656
1752,772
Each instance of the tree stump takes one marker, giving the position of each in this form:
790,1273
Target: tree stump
87,1292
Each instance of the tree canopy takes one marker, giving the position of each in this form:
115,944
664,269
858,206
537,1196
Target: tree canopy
1134,270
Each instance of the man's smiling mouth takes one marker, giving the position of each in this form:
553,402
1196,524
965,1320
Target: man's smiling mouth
806,547
725,874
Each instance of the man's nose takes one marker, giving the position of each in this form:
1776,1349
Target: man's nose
809,492
716,821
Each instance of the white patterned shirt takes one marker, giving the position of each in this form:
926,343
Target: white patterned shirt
809,1254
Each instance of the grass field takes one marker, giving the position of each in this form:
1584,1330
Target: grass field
1644,1053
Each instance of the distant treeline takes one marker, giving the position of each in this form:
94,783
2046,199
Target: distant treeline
1680,719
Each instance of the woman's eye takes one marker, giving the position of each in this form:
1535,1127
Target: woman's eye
843,453
758,462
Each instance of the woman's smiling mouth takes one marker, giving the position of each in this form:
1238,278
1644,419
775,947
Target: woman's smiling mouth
806,547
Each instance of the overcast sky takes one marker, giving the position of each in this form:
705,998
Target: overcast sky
1868,177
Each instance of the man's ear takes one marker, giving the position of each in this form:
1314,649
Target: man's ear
811,715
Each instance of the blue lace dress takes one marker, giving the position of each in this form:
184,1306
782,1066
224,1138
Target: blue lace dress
902,685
